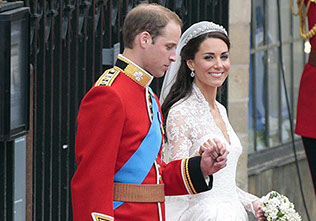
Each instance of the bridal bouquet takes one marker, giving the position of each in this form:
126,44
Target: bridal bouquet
277,207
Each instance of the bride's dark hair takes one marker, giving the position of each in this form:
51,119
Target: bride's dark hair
183,84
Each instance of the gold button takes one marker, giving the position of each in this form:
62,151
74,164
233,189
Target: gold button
158,166
160,177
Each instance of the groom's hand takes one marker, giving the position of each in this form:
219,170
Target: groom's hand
213,156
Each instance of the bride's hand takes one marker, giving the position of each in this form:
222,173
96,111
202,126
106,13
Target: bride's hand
257,206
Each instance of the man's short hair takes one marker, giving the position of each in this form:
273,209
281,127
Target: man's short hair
147,17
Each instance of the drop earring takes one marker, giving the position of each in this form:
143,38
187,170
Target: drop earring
192,73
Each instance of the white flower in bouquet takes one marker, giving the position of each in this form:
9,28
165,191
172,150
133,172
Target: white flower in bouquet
277,207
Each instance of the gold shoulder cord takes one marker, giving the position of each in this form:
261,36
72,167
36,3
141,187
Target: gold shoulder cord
302,14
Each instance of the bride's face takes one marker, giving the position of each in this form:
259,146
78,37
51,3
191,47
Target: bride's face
211,63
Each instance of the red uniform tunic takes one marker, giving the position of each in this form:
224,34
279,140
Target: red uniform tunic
306,104
112,122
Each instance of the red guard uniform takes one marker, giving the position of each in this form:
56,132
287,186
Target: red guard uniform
113,119
306,103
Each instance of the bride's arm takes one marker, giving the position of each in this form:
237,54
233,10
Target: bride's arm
247,199
251,203
178,133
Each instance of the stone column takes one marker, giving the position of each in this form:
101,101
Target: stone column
238,83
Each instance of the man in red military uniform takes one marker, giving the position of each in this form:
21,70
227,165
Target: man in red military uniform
120,175
306,104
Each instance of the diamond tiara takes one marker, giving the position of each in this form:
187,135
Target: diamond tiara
208,27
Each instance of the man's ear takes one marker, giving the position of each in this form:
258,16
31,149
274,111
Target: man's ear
144,39
190,64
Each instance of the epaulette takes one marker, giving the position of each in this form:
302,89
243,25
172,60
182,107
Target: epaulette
107,78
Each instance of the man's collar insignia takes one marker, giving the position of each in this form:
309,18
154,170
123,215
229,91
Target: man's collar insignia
138,76
133,71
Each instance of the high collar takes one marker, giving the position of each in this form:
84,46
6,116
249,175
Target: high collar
200,97
133,71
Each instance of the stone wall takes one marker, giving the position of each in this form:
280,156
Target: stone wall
238,81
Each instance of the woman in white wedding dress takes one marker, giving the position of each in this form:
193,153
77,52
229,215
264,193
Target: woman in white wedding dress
192,116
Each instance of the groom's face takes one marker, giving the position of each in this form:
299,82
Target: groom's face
162,51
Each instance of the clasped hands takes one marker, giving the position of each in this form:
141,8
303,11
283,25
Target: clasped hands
213,156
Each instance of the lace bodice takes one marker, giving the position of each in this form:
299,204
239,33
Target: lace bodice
189,124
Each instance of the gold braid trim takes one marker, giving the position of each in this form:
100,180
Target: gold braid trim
302,15
107,78
187,176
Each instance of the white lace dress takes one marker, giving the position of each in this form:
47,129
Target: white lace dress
189,124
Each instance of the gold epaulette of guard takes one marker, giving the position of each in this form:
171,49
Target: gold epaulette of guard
107,78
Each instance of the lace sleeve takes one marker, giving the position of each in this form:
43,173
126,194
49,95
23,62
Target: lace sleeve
178,132
246,199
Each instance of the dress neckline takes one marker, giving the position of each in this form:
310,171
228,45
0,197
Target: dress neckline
201,99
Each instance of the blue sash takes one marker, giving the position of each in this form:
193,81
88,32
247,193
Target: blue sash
138,166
